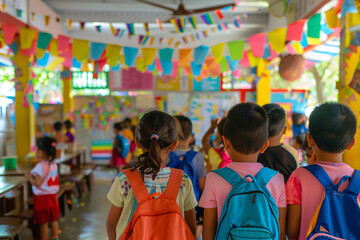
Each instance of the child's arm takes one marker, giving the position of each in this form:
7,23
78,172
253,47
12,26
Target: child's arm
210,223
293,221
112,221
36,181
282,223
206,139
202,183
190,219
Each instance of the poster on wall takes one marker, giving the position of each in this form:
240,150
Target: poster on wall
115,80
135,80
178,103
207,85
167,83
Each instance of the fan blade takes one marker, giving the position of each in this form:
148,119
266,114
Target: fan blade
156,5
208,9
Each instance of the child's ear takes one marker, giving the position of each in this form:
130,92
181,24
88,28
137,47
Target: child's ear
192,138
174,145
227,143
352,143
264,147
138,145
311,142
284,130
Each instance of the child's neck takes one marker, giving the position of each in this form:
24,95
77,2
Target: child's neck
183,145
329,157
275,141
249,158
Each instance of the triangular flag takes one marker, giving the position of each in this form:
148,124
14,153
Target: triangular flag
9,32
69,24
277,39
298,48
167,67
253,60
27,37
148,55
63,42
80,49
207,19
192,20
147,30
224,65
54,47
196,69
219,14
46,20
313,26
200,54
166,54
245,60
33,16
113,30
112,54
237,22
44,40
295,31
257,44
185,57
97,50
233,64
54,64
348,7
173,21
98,28
40,53
42,62
130,28
19,13
236,49
82,25
130,55
217,51
159,22
332,18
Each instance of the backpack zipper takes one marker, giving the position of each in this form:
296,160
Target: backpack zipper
222,219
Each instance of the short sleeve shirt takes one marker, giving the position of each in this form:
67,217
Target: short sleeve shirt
48,171
217,189
122,196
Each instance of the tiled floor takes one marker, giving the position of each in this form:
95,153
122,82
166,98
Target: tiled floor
88,219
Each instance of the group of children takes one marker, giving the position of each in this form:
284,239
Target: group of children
281,203
60,136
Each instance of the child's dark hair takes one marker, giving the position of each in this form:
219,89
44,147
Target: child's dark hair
157,130
246,127
332,126
68,124
48,145
298,119
58,126
301,138
277,118
118,126
220,126
186,127
127,121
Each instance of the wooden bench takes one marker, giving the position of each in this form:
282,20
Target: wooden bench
77,176
10,228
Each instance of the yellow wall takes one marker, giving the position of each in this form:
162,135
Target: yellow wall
25,120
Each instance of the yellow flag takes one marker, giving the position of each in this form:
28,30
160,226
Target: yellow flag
113,54
27,37
148,55
140,66
332,18
260,67
40,53
217,51
80,49
298,48
313,41
54,64
253,60
277,39
54,47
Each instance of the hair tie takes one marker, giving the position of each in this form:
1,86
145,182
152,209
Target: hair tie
155,136
53,144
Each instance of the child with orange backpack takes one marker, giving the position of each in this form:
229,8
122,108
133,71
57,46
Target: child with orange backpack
151,189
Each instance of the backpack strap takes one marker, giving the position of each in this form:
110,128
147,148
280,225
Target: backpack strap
354,183
229,175
137,184
174,160
173,186
265,175
190,155
320,174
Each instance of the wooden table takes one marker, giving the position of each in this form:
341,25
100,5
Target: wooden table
18,172
8,184
79,155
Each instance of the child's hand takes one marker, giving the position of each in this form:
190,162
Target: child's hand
214,123
28,175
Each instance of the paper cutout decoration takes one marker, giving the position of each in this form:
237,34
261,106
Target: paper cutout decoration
332,18
44,40
236,49
166,54
233,63
217,51
298,48
151,67
97,50
112,54
80,49
167,67
207,19
63,43
304,43
313,26
54,47
130,28
295,31
42,62
54,64
27,37
196,68
348,7
14,47
252,59
40,52
224,65
130,55
219,14
200,54
257,44
185,57
266,52
9,32
148,55
245,60
277,39
159,22
76,63
29,52
192,20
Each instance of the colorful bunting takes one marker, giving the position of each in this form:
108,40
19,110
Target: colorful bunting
130,28
98,28
277,39
27,37
348,7
159,22
80,49
295,30
82,25
44,40
19,13
237,22
207,19
236,49
130,55
69,24
200,54
313,26
9,32
257,44
192,20
97,50
332,18
217,51
166,54
185,57
219,14
46,20
147,30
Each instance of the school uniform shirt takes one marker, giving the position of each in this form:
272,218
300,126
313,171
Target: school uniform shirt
217,189
198,162
122,196
305,190
283,158
129,136
49,171
70,136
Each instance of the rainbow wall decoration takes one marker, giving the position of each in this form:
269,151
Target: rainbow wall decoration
101,150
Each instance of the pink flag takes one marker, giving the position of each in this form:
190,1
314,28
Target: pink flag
9,32
245,60
63,43
295,31
257,44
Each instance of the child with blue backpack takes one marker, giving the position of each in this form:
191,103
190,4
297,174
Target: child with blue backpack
244,200
324,198
121,147
192,162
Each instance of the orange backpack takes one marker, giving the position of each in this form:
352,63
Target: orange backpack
156,218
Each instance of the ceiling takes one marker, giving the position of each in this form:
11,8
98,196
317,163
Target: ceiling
253,14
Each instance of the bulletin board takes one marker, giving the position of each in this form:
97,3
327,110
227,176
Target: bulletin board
46,116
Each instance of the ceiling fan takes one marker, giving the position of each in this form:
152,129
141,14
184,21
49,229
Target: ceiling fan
182,11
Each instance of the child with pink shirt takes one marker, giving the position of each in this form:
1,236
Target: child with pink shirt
332,129
245,136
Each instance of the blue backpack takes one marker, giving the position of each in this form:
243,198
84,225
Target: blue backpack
123,146
249,212
337,216
184,162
